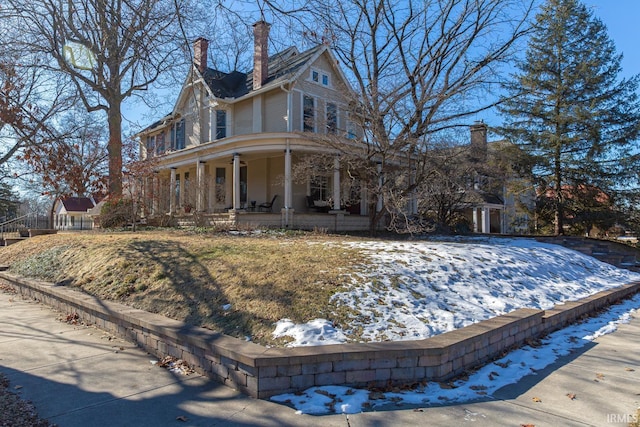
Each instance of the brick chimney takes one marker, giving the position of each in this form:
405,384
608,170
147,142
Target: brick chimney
479,140
200,48
260,53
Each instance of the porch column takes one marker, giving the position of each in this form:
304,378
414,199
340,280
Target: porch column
486,220
144,197
155,193
336,182
200,186
236,181
287,178
181,196
380,184
172,192
474,216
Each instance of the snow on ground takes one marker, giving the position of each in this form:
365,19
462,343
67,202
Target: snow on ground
479,385
417,289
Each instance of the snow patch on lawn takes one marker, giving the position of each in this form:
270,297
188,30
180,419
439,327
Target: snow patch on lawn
415,290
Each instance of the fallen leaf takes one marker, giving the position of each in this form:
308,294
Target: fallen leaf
629,369
527,425
600,376
537,400
182,418
18,387
418,410
571,396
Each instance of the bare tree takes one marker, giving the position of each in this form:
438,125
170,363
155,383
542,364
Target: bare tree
109,49
417,68
29,100
74,161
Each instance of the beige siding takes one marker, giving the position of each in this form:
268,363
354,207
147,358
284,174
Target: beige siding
243,117
256,184
296,113
275,110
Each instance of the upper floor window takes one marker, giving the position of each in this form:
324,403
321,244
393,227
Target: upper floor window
332,118
351,129
160,148
180,135
308,114
151,145
221,124
320,77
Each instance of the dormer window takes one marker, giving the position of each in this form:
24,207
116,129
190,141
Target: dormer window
320,77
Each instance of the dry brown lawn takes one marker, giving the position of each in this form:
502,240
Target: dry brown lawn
193,277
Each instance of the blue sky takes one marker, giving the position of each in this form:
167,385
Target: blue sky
621,19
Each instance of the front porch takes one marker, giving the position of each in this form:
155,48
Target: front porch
333,221
257,181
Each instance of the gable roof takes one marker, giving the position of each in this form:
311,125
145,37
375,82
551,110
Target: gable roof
77,204
283,67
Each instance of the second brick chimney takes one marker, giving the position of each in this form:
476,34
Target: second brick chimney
200,50
260,53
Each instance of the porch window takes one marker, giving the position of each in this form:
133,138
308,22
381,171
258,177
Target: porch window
332,118
308,114
221,124
243,185
187,190
221,185
319,188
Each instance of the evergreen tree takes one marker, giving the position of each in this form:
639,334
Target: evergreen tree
8,202
567,107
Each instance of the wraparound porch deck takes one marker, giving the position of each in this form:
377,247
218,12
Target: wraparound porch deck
332,221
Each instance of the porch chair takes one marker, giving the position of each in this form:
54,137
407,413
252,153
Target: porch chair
267,206
311,206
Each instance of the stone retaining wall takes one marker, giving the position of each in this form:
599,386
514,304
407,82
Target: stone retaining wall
263,372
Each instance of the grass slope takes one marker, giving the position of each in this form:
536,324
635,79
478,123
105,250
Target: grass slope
237,285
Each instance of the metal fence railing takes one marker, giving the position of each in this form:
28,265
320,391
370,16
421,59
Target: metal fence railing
21,225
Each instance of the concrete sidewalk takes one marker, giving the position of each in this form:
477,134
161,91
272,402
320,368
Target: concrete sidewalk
79,376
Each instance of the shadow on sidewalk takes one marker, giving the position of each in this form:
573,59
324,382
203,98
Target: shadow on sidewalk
185,402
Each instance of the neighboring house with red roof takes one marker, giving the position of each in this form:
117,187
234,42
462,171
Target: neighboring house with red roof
72,213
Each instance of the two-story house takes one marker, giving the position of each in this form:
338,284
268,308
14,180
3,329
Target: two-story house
228,148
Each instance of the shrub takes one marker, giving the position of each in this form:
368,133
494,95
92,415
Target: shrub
116,213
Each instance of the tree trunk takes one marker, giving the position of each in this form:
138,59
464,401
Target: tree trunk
559,207
114,149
